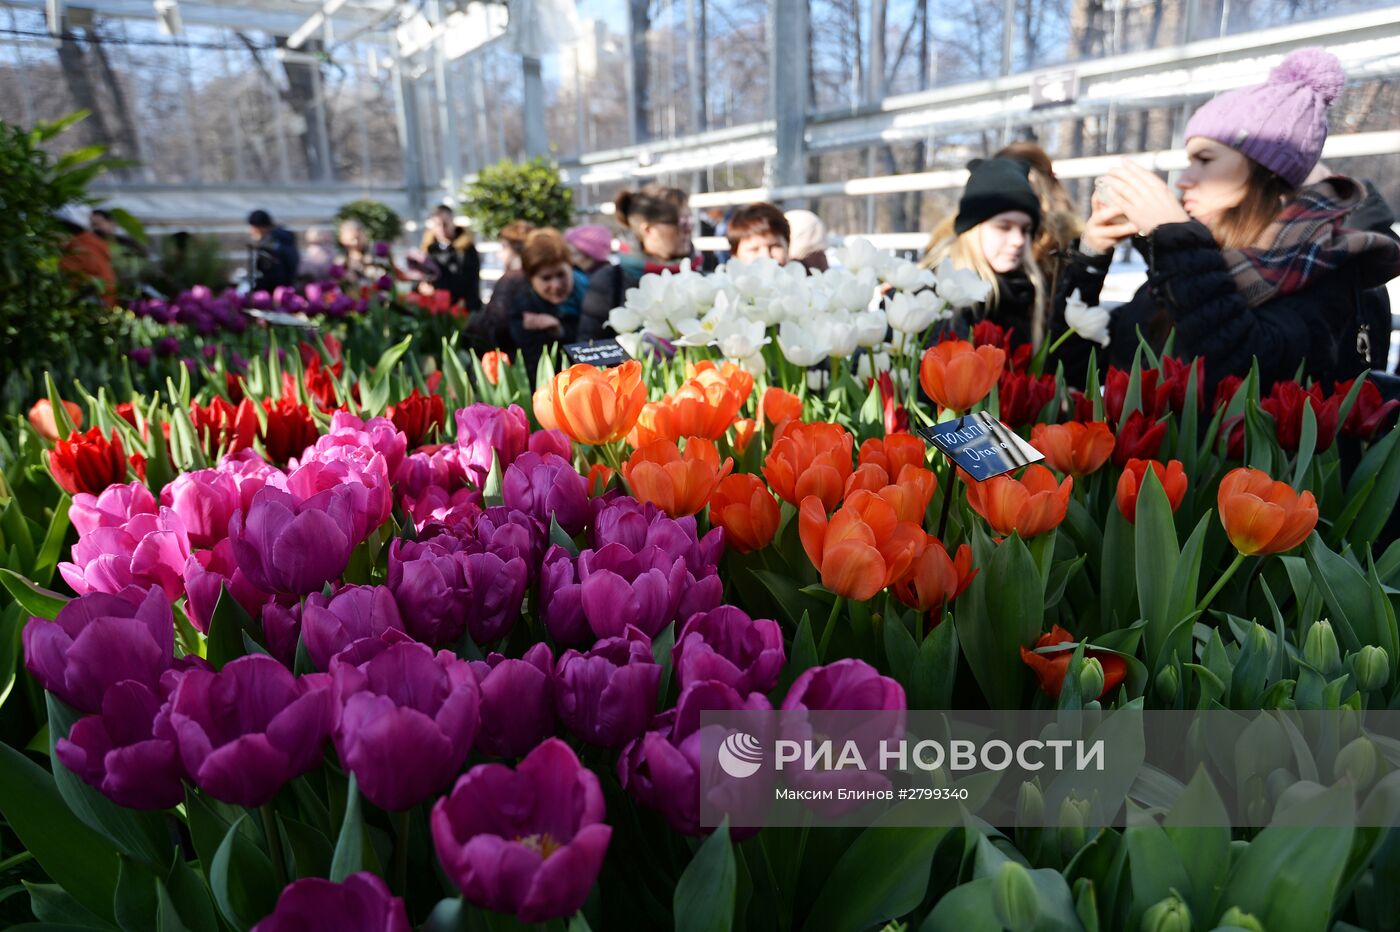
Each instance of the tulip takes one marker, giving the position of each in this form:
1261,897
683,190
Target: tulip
728,646
936,579
1285,404
639,525
893,452
355,439
406,722
331,623
517,701
206,573
809,459
148,550
1139,438
419,417
117,752
561,599
1115,395
42,419
114,507
494,589
251,473
509,534
88,462
285,546
1169,915
1175,379
542,404
657,421
735,376
486,433
428,586
360,903
491,363
249,729
222,426
1021,398
1029,506
289,429
911,494
957,375
1051,667
1368,413
621,589
360,477
779,406
1225,391
595,406
705,406
1171,476
547,487
1091,323
205,500
678,483
544,442
746,510
1262,516
606,695
863,548
528,841
98,640
1074,449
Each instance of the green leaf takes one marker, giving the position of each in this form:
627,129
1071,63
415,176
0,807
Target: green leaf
311,850
52,904
1016,606
15,533
52,547
1348,598
558,537
348,857
935,668
189,893
900,649
704,898
227,625
167,916
1156,554
136,903
882,875
1199,829
1307,444
1156,867
242,880
37,601
75,856
1381,464
968,907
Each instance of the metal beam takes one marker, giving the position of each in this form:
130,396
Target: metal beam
272,16
787,82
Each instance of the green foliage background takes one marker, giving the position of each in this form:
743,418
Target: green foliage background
509,191
379,219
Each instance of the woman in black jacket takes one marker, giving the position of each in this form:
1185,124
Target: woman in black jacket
545,311
1246,266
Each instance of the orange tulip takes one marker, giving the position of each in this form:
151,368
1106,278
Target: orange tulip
911,493
936,578
1029,506
738,378
656,422
599,475
1074,449
1262,516
744,430
870,477
863,548
42,420
491,362
678,483
747,511
809,459
957,375
779,406
1172,476
893,452
1051,668
595,405
542,401
705,406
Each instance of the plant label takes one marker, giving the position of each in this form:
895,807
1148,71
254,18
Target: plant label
983,446
601,353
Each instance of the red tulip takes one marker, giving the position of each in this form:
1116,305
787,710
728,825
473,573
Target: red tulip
223,426
88,462
1368,413
1050,668
1021,398
290,429
1171,476
1175,379
1115,394
418,416
1285,402
1139,438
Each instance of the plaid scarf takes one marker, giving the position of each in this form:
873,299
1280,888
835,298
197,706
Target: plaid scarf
1308,241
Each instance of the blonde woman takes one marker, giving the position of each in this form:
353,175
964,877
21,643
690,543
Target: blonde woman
992,234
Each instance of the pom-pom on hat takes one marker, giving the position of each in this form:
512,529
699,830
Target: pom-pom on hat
1282,123
995,186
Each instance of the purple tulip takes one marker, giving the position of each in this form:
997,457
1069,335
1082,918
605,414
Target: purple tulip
148,550
98,640
622,589
517,701
606,696
724,644
141,355
428,585
361,903
384,283
435,508
378,434
247,730
700,595
406,723
353,471
638,525
281,631
846,685
495,589
509,533
251,473
331,624
167,346
547,487
117,752
662,769
485,431
444,468
113,507
528,841
205,574
561,599
205,500
552,441
381,249
285,546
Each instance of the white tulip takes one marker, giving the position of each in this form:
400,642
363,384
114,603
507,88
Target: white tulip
740,339
870,365
842,333
870,328
624,319
803,344
755,364
960,287
859,254
906,276
1091,323
914,313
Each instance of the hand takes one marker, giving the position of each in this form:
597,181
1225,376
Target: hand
535,321
1106,227
1143,198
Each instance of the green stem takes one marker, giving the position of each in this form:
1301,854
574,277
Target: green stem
274,845
401,853
1220,583
830,625
15,860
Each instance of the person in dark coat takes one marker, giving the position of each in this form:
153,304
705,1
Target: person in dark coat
660,221
273,256
545,311
455,263
1247,266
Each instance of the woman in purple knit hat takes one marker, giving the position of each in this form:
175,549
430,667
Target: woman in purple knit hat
1248,263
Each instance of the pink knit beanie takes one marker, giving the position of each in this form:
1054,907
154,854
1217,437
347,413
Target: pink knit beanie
591,239
1282,123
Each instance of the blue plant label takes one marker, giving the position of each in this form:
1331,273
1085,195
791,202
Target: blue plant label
601,353
983,446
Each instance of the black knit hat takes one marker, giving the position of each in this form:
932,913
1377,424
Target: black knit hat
995,186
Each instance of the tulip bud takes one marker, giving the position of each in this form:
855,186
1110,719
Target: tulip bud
1030,805
1371,668
1168,683
1090,679
1015,901
1170,915
1320,648
1236,918
1358,762
1073,817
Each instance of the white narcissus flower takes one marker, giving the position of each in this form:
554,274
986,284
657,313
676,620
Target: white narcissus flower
1091,323
960,287
803,344
914,313
740,339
